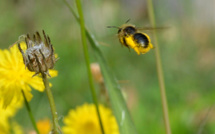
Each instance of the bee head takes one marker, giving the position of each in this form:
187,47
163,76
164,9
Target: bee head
125,29
129,30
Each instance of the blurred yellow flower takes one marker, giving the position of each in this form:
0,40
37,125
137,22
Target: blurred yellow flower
16,128
84,120
5,114
14,76
44,126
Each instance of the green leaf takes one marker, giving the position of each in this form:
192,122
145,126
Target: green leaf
87,60
118,103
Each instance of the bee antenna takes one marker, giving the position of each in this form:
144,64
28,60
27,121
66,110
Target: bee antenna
112,27
127,20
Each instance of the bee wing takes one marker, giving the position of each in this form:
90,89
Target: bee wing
108,37
152,28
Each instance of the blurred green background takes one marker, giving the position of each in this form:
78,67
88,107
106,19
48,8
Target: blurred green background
187,51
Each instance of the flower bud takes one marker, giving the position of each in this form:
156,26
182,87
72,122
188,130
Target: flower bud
39,56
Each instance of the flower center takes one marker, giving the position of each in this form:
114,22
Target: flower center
90,128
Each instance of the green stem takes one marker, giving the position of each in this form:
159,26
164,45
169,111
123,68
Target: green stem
72,11
90,37
86,55
52,104
205,119
159,70
30,113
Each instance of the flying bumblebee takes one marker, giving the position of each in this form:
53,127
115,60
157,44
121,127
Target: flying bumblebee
131,37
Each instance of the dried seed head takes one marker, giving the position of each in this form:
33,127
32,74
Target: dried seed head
39,55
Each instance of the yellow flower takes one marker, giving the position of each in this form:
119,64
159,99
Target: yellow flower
14,76
5,115
16,128
84,120
44,126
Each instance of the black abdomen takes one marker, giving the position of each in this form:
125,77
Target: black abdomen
141,39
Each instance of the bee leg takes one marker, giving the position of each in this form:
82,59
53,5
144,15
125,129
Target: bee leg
129,49
152,47
136,50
